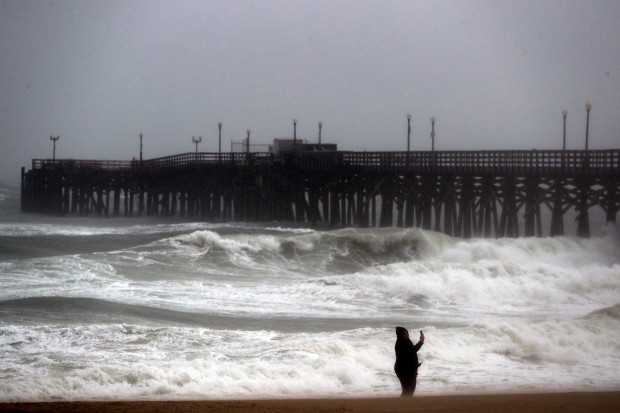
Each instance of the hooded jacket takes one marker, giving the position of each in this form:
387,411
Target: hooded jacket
406,354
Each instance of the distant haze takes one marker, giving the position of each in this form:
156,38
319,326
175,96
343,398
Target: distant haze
495,74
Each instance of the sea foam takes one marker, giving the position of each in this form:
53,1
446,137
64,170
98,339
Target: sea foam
248,311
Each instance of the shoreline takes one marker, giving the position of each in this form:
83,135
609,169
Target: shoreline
596,402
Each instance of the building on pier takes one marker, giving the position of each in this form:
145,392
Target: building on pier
288,145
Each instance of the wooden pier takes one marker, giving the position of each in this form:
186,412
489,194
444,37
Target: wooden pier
464,193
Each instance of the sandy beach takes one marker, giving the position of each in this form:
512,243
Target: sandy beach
523,403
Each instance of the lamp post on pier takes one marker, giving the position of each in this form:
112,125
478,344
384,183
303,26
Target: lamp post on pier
294,134
141,148
588,107
219,141
564,113
320,127
247,147
54,139
408,138
196,140
433,134
408,133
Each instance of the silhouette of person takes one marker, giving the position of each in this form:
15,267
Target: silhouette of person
406,366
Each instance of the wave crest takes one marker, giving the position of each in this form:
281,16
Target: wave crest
611,312
339,251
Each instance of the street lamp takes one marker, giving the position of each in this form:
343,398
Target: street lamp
248,142
564,113
196,140
320,127
433,134
54,139
588,107
408,133
219,142
294,134
140,148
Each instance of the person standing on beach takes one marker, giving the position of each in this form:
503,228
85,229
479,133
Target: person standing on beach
406,366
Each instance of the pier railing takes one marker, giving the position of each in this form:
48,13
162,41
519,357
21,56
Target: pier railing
522,162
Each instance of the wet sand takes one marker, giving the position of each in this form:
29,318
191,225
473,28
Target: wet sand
505,403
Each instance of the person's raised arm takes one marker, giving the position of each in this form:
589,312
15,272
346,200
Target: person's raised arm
419,344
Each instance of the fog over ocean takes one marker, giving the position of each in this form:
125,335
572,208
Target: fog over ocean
153,309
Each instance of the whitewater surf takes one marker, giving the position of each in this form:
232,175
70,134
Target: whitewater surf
135,309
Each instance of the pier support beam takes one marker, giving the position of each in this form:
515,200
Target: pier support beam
583,221
557,211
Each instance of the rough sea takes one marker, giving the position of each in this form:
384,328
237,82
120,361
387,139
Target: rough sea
150,309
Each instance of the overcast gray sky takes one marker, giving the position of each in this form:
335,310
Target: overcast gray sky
495,74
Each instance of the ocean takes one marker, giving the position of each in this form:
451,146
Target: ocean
101,309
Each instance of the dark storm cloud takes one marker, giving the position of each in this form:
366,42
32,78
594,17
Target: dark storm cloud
495,74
